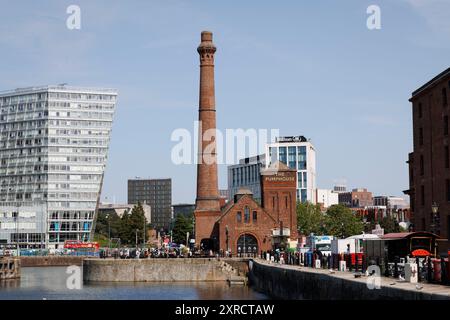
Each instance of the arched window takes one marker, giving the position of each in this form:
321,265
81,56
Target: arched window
255,216
239,216
246,215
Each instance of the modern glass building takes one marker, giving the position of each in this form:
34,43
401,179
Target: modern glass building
53,149
297,153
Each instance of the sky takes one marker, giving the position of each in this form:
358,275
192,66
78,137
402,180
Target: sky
309,68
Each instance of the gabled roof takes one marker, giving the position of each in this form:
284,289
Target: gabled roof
231,204
276,166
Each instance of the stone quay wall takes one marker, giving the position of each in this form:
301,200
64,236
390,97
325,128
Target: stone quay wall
50,261
299,283
155,270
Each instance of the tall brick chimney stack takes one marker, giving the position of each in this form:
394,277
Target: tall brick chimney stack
207,207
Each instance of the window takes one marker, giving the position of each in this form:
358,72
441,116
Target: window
447,189
446,160
422,195
444,97
445,125
419,110
301,151
283,155
420,136
421,165
246,215
239,216
255,217
292,157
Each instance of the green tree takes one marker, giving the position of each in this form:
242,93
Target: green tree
341,222
389,224
182,225
310,219
129,223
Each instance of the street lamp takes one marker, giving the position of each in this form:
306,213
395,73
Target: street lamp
226,233
109,232
137,238
434,210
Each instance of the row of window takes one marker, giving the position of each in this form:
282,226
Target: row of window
23,98
80,96
70,226
444,100
294,157
245,175
247,216
79,123
97,106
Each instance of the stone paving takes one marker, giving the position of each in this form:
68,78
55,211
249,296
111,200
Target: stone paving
439,291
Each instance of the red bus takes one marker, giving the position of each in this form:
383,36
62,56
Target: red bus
77,244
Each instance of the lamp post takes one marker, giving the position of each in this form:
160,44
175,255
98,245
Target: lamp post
109,232
226,233
435,211
137,238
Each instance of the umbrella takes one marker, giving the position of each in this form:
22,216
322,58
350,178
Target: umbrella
420,253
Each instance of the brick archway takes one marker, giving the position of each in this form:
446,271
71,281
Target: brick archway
247,243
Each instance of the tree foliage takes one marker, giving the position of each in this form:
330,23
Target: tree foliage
388,223
123,227
182,225
338,221
309,219
341,222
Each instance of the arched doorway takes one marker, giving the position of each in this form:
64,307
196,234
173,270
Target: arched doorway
247,245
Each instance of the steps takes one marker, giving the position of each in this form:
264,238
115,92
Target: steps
234,278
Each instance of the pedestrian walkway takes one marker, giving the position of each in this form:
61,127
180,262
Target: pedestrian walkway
437,291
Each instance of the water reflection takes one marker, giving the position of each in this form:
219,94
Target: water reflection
50,283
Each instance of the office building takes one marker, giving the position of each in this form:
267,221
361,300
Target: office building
158,194
297,153
53,151
357,198
246,175
326,198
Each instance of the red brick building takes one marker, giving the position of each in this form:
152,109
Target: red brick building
357,198
242,225
429,163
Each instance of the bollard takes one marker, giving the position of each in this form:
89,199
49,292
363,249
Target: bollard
437,270
444,275
429,274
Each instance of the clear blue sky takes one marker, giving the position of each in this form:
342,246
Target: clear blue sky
309,68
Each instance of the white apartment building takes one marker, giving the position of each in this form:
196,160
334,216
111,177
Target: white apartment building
53,150
327,197
297,153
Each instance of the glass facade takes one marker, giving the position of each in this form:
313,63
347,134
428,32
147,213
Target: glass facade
295,156
292,158
53,151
